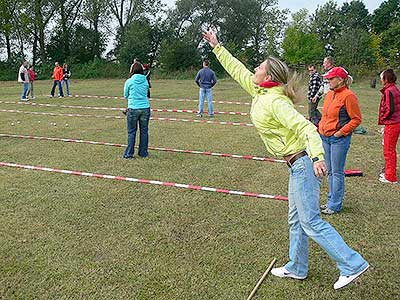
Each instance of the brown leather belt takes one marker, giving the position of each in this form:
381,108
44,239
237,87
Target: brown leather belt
290,159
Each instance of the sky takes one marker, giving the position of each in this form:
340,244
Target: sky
311,5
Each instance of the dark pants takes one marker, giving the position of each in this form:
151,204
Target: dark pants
55,83
135,117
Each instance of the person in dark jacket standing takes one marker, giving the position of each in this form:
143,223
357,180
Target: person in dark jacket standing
313,96
66,77
206,80
389,116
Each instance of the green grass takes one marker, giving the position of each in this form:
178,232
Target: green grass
68,237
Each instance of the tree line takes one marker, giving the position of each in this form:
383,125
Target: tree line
110,33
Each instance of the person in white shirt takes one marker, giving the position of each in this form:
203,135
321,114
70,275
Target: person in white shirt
23,77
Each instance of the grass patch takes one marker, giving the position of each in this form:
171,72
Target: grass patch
67,237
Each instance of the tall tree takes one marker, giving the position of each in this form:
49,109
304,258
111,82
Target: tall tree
386,14
95,12
326,24
300,45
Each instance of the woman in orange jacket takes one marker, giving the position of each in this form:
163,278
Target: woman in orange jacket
340,116
57,79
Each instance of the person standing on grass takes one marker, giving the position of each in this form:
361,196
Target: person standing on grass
389,116
146,72
66,77
32,77
340,116
206,80
314,85
327,64
138,113
57,79
23,77
286,133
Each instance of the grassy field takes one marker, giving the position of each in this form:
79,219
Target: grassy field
69,237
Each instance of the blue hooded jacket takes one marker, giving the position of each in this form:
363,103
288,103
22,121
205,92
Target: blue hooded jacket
135,90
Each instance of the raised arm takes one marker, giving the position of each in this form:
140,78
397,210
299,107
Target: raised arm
232,65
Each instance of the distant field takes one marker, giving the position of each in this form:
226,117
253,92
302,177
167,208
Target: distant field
70,237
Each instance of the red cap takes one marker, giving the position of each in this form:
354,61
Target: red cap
336,72
145,66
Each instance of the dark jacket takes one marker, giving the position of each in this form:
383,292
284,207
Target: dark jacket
389,109
205,78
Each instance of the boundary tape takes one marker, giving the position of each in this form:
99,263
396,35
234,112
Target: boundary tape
163,99
145,181
177,100
250,157
123,117
239,113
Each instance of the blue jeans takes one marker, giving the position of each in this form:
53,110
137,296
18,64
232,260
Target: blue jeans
135,117
305,221
335,155
53,89
66,81
203,93
25,88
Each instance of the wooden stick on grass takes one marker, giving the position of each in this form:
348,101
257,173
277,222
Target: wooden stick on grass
261,279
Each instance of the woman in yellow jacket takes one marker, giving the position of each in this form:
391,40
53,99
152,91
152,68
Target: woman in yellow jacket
286,133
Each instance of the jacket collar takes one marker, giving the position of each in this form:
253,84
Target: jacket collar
341,89
386,86
269,84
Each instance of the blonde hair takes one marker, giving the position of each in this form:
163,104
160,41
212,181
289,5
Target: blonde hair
348,81
280,73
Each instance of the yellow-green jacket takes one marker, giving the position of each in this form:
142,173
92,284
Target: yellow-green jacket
282,128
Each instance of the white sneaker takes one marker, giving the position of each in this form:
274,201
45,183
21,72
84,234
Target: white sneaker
283,273
24,99
383,179
345,280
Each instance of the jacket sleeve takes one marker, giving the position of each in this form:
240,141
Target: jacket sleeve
126,90
389,105
22,76
290,118
235,69
354,112
197,79
315,86
214,79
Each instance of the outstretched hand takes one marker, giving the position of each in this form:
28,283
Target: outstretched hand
211,37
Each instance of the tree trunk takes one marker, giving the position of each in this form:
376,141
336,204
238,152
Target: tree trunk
8,43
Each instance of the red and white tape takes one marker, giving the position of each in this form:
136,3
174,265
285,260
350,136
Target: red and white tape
163,99
123,109
173,99
145,181
249,157
123,117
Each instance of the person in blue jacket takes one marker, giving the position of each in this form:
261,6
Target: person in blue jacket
206,79
138,113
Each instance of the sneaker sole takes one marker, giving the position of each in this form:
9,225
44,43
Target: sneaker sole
358,275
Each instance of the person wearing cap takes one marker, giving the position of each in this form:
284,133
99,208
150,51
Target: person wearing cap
340,116
286,133
389,116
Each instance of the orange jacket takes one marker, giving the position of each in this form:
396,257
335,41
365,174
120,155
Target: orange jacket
58,73
341,112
